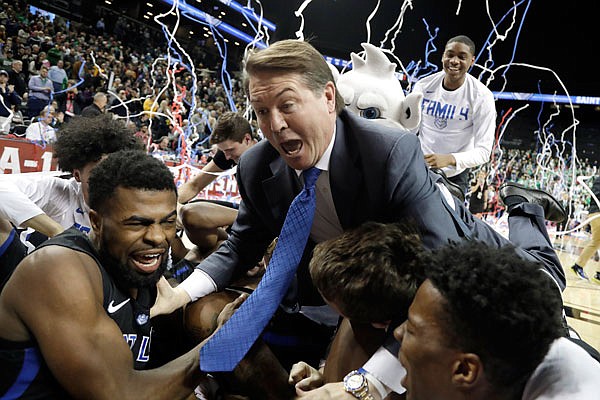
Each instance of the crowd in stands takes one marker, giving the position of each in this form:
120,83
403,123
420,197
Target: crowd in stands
58,67
552,173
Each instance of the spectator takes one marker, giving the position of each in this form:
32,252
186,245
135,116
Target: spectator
55,54
118,105
162,145
100,26
71,104
17,78
42,130
478,202
40,89
142,134
97,107
59,79
58,76
6,58
10,99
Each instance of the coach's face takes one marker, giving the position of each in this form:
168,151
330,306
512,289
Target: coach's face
135,233
298,122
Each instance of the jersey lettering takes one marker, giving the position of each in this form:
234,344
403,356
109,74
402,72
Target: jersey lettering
144,350
130,338
84,229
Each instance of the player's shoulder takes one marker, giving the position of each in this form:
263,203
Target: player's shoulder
59,266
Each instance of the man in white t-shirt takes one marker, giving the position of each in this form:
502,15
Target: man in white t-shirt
458,119
42,130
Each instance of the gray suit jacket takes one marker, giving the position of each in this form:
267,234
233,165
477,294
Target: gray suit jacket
376,173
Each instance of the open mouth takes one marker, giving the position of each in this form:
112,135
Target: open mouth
147,263
292,147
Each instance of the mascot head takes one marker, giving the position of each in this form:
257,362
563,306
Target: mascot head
372,90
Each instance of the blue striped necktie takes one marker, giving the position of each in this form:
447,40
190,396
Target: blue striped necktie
230,344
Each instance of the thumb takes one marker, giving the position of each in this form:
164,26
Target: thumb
162,285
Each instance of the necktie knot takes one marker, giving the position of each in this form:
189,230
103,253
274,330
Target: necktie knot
310,176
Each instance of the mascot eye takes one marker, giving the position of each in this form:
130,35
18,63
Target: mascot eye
370,113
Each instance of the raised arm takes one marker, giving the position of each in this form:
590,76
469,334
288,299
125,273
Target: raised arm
191,188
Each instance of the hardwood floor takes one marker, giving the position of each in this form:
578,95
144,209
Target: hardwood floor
581,298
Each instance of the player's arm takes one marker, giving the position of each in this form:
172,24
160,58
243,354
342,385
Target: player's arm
34,203
484,135
44,224
83,347
191,188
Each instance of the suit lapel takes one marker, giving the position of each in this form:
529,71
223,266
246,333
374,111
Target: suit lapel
280,189
345,177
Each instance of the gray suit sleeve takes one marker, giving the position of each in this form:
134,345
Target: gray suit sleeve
414,196
245,245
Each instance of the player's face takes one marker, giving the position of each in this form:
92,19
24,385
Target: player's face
298,122
423,348
233,150
456,60
136,232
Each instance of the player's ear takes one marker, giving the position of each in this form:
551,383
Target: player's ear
467,370
95,221
77,175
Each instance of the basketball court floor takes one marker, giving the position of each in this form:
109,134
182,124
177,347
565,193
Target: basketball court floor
581,298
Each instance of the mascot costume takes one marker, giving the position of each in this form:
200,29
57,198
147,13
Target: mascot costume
372,90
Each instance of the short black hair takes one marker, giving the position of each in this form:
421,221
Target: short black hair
499,306
84,140
134,169
464,40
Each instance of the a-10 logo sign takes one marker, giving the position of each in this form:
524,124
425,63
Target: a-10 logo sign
19,156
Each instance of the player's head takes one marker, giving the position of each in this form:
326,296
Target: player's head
232,135
82,142
371,273
481,323
133,202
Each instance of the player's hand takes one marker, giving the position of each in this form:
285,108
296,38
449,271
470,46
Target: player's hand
229,309
305,377
165,297
439,160
331,391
